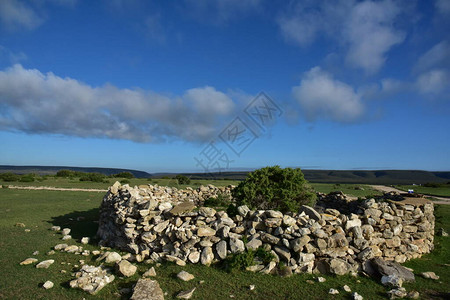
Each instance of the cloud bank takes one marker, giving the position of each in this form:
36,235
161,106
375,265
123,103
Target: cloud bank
37,103
323,97
366,30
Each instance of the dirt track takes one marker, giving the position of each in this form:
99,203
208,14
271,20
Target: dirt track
49,188
387,189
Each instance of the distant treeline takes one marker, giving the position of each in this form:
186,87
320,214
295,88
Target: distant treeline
83,176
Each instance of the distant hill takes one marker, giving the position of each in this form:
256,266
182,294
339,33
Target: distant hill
349,176
51,170
317,176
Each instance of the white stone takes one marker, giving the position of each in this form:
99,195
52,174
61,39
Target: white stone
47,285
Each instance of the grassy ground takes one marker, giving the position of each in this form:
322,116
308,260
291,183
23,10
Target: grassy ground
39,210
349,189
356,190
62,182
442,191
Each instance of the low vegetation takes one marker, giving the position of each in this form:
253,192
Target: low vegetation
39,210
274,188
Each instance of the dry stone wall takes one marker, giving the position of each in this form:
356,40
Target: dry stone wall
165,223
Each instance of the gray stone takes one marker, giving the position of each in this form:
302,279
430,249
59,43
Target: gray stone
207,256
298,244
113,257
176,260
185,276
386,268
352,223
28,261
161,226
397,293
243,210
126,268
150,273
48,285
147,289
91,279
311,212
221,249
186,294
268,238
45,264
429,275
357,296
339,267
391,281
194,257
283,253
254,242
236,245
205,231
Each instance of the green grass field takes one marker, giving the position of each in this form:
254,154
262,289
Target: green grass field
442,191
39,210
61,182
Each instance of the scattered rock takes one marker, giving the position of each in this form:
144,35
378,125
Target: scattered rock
150,272
20,225
60,247
413,295
333,292
66,237
85,240
251,287
392,281
35,253
91,279
429,275
185,276
47,285
126,268
56,228
45,264
112,257
357,296
186,294
147,289
176,260
397,293
65,231
28,261
321,279
386,268
347,288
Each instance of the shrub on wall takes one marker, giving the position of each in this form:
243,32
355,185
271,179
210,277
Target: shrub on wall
275,188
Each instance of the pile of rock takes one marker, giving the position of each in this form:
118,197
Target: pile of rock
139,221
91,278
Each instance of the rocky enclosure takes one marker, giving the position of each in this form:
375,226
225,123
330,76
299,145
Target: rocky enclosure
157,223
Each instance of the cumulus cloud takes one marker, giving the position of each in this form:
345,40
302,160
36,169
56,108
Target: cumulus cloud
15,14
322,96
438,55
364,29
434,82
33,102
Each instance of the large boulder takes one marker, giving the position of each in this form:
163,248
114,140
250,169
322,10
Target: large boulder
147,289
387,268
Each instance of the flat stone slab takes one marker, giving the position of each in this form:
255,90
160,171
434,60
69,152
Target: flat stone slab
182,207
147,289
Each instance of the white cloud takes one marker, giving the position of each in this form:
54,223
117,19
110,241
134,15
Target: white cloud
33,102
443,6
365,29
322,96
434,82
15,14
18,14
437,56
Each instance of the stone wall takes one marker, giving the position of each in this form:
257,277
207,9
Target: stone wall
165,223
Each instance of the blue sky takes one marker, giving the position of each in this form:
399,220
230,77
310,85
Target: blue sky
176,85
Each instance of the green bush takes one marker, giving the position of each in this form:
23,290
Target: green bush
274,188
127,175
219,201
240,261
124,181
94,177
182,179
8,177
27,178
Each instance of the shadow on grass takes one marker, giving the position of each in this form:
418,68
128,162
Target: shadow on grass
81,223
